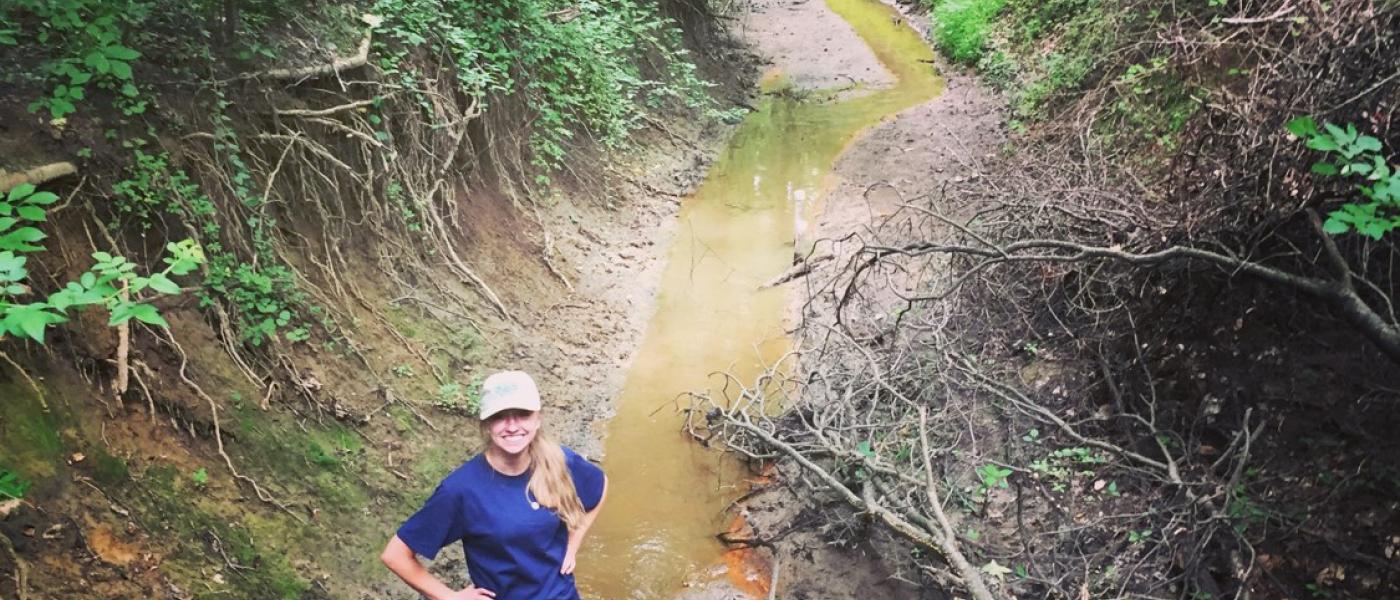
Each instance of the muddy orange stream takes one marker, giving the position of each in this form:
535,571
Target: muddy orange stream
667,495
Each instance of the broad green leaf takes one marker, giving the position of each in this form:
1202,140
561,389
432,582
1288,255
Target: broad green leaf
160,283
61,300
31,320
42,198
79,77
98,61
22,239
6,209
1323,143
101,256
121,313
1368,143
1323,168
121,70
10,261
1379,169
1302,126
20,191
87,280
6,223
1338,133
148,314
1335,226
59,108
32,213
121,53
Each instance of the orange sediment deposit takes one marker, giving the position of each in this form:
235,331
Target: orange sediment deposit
748,569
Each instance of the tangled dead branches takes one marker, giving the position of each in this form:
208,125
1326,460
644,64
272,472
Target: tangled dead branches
899,412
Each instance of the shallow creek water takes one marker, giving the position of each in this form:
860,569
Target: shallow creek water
667,495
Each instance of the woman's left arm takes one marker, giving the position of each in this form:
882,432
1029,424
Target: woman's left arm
576,535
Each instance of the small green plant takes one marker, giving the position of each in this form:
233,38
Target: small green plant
402,371
1243,510
200,477
1352,154
11,486
960,27
1137,536
455,396
319,456
991,476
865,449
1032,436
1061,466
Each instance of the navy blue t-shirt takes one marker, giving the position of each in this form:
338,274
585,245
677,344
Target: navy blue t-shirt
513,548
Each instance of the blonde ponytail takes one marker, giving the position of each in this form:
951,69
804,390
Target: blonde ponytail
551,484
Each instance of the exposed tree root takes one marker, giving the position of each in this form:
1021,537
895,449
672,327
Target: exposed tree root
36,175
262,494
38,392
21,574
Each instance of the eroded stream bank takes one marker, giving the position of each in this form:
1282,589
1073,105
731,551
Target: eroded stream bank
741,228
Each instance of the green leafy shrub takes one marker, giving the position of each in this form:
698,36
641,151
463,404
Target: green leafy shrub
153,188
112,282
1354,155
961,27
83,43
584,60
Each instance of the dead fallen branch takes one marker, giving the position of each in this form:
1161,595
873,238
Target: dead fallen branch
335,67
799,270
865,501
1340,291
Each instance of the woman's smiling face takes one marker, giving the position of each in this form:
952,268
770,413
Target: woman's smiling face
512,430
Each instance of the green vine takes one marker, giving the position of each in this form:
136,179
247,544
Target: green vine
584,60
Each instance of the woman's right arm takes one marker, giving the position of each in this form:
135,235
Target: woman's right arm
404,562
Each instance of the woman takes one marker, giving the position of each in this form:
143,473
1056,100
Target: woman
520,508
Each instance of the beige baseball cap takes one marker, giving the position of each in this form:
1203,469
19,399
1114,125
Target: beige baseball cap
506,390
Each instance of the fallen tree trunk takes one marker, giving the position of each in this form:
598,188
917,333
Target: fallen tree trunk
36,175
